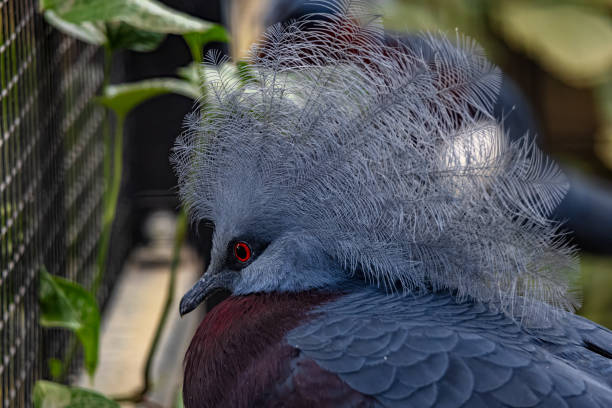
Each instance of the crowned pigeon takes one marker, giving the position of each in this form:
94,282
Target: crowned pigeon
383,241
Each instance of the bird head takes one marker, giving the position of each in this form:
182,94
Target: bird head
249,258
341,156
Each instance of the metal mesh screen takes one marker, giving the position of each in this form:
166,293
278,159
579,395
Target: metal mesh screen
51,185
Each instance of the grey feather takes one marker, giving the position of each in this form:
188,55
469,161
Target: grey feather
475,356
377,154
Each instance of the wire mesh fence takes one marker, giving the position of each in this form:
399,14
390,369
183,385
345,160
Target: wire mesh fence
51,185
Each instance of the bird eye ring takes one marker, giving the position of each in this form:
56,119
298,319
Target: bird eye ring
242,251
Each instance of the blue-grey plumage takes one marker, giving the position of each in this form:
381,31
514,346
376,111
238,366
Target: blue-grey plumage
429,350
384,242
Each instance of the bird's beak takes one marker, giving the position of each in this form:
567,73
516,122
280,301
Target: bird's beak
206,286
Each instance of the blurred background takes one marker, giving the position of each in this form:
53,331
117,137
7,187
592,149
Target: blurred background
557,60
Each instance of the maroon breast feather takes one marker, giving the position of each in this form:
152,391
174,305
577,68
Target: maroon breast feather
239,357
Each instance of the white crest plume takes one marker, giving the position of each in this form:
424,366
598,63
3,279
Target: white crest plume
385,152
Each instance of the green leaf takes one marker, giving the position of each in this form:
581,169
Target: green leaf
56,368
67,305
52,395
86,31
191,73
148,15
573,42
124,36
125,97
116,35
196,40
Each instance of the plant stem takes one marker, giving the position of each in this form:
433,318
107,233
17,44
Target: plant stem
70,352
109,176
108,61
110,204
179,239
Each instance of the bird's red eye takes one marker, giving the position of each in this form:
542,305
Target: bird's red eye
242,251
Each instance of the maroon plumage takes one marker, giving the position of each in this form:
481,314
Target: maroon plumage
239,357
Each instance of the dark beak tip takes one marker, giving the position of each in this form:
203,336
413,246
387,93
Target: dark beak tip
185,306
206,286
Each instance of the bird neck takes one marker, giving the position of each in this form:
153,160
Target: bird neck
239,347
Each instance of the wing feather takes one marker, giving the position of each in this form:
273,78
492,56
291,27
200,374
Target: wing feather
430,350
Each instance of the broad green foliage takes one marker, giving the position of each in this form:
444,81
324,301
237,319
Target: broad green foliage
67,305
148,15
197,39
87,32
191,73
123,98
116,36
52,395
124,36
113,35
138,25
